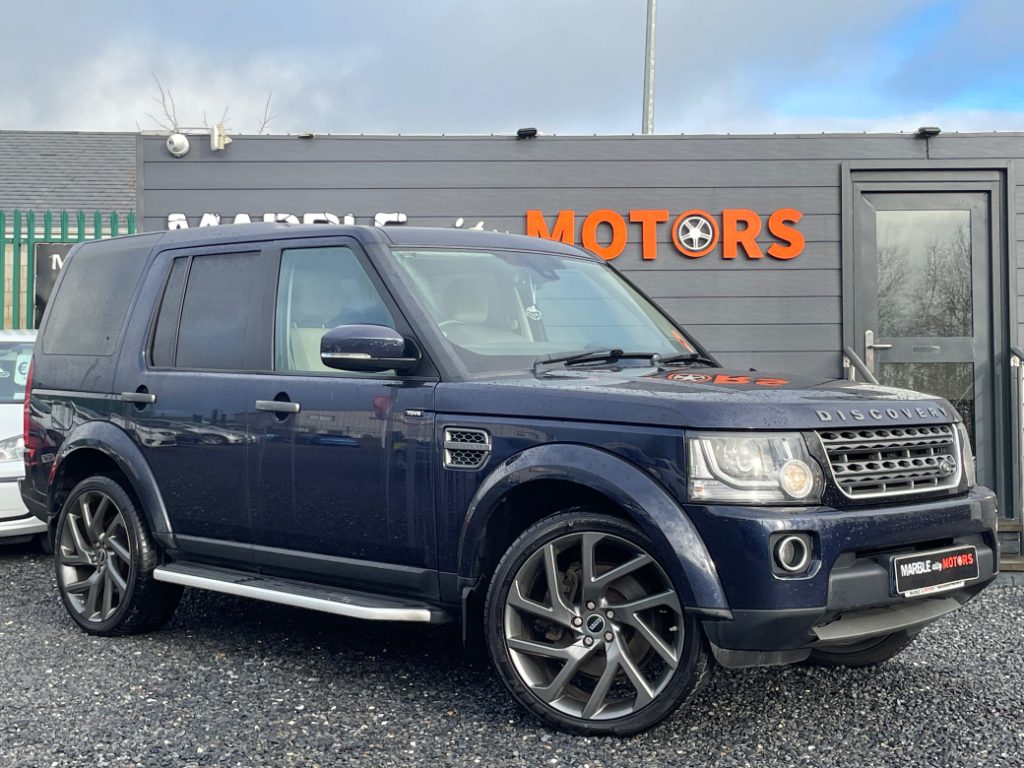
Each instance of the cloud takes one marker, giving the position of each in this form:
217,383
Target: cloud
114,91
573,67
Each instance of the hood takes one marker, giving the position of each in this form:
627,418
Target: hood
706,398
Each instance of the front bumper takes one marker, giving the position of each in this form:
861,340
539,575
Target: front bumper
846,595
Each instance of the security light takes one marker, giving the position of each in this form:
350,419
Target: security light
928,131
526,133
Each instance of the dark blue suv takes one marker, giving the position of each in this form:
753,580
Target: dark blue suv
435,425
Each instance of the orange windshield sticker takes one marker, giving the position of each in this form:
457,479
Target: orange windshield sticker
679,337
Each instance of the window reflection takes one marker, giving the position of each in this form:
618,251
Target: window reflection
924,273
953,381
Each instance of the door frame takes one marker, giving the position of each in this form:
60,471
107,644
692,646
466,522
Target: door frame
994,177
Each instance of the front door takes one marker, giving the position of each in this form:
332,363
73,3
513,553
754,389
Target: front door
343,492
923,302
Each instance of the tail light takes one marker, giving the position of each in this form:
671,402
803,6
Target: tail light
30,448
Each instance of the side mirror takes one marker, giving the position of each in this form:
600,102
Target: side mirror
372,348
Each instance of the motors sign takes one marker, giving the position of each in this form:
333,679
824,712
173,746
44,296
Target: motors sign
49,260
695,233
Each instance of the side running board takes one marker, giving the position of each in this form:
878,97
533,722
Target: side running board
342,602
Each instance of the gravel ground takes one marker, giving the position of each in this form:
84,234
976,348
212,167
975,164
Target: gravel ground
232,682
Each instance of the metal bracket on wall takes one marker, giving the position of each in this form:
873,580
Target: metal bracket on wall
854,365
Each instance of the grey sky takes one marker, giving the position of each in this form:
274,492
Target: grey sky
571,66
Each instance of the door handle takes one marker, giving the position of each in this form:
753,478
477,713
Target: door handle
869,349
138,397
278,406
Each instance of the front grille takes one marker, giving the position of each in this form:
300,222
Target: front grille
871,463
466,448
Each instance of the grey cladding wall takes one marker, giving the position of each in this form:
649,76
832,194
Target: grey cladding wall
762,313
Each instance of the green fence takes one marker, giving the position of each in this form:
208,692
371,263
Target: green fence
20,231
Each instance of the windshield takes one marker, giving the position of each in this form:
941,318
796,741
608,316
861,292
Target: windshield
15,357
503,310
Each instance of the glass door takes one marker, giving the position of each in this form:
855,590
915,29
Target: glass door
923,300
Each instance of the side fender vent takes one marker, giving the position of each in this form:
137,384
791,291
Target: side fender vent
466,448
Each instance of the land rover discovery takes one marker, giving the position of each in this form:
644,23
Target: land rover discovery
430,425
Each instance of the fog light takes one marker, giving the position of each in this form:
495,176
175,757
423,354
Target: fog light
792,554
796,479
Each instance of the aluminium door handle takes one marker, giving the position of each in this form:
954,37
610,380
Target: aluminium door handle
278,406
869,349
145,398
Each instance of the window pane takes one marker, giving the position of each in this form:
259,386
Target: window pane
319,289
924,273
15,357
953,381
215,313
94,296
167,321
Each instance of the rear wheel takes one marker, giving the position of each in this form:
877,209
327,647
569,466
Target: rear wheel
866,653
587,630
104,560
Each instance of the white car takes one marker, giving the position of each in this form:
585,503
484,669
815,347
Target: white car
16,524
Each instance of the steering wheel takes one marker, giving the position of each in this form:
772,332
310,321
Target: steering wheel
450,324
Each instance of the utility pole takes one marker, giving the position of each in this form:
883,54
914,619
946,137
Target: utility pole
649,70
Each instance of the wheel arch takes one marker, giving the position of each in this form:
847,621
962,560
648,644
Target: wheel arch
617,487
97,447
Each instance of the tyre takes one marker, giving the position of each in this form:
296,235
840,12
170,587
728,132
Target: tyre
587,630
45,540
104,558
867,653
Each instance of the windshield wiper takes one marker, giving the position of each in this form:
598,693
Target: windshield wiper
590,356
688,357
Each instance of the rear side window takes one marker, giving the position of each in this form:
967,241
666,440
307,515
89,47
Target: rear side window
88,312
216,310
167,321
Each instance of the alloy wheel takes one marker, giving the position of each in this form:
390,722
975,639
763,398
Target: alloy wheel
95,556
593,626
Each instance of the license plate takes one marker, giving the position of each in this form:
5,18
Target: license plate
924,573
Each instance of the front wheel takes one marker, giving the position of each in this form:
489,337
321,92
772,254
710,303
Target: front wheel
587,630
104,559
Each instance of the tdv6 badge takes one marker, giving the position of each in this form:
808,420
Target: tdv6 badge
695,232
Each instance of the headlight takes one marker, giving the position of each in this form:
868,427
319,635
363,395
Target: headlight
753,469
967,456
12,448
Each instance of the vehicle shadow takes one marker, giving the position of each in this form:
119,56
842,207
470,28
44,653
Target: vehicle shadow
409,661
376,678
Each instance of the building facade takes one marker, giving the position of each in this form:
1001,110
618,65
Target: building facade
777,252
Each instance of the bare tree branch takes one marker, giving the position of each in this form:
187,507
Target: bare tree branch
169,121
267,116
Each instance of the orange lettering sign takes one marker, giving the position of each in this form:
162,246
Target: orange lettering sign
695,233
618,227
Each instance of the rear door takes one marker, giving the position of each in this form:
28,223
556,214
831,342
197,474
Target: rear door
193,386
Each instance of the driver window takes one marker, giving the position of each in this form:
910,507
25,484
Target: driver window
319,289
